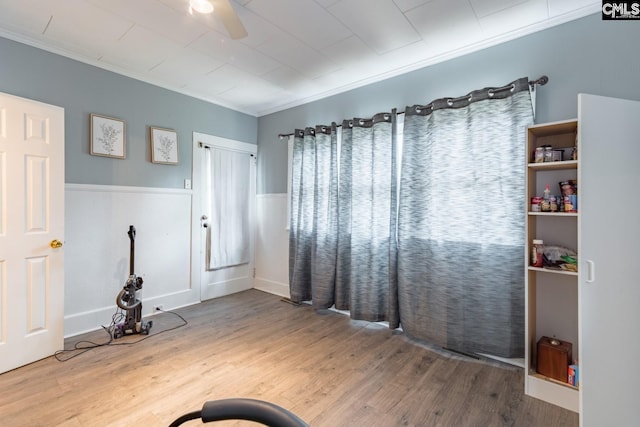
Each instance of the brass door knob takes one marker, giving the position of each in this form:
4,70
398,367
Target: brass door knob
55,244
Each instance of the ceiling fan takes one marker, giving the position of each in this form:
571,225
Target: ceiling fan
226,13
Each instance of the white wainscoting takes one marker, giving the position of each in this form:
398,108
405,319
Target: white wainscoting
97,219
272,245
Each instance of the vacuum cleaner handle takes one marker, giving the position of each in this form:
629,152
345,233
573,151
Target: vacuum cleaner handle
130,304
132,238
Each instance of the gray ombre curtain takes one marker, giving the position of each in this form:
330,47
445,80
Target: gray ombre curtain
460,221
342,231
313,230
365,277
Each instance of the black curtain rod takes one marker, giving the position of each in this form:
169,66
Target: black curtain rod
541,81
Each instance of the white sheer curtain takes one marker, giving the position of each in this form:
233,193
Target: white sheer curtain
228,239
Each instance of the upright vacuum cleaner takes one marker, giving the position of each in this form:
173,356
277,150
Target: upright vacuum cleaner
127,300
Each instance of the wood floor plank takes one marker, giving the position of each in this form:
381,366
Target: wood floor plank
323,366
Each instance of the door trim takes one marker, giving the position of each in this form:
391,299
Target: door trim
197,258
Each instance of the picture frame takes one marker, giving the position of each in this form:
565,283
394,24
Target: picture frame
164,145
108,137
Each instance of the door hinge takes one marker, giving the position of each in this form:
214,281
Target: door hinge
254,273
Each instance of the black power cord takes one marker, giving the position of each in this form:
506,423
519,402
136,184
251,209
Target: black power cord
83,346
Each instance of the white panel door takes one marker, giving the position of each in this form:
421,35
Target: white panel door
609,273
223,281
31,231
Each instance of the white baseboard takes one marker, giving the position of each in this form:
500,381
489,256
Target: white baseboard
222,289
269,286
92,320
80,323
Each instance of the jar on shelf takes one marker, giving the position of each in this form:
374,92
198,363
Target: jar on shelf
548,153
538,155
537,253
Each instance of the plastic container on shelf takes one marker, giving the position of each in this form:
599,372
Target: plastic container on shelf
558,154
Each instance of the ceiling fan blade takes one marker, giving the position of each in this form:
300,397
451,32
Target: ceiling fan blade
229,18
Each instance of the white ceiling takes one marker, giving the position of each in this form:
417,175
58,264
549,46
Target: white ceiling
297,50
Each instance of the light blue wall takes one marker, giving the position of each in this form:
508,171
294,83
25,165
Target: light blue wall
83,89
587,55
584,56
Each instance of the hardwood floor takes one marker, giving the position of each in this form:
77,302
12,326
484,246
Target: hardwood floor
326,368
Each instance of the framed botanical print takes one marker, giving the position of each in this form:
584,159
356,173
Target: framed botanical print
164,146
107,137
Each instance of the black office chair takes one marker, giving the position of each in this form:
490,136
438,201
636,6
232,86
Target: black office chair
243,409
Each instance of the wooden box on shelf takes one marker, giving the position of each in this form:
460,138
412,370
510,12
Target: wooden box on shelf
554,358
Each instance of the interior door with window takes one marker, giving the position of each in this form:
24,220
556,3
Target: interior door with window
224,175
31,231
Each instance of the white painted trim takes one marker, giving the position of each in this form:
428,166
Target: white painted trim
271,287
76,324
554,393
229,287
123,189
227,144
197,259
